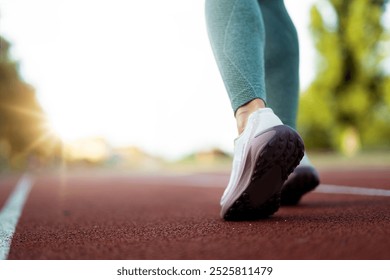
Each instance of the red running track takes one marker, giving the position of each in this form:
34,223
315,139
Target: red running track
177,217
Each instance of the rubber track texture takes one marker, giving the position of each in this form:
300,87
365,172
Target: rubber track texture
273,164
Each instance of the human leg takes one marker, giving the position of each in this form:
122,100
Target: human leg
281,56
282,86
266,151
237,37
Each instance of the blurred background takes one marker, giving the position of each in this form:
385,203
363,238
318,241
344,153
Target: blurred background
133,85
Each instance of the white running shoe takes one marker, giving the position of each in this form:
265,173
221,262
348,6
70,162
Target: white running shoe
304,179
264,155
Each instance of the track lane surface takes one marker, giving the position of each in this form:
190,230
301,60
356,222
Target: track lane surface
177,217
7,184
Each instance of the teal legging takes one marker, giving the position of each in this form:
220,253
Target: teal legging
256,48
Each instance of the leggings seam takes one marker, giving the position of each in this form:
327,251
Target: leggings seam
230,60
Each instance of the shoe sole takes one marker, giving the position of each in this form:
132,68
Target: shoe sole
273,155
303,180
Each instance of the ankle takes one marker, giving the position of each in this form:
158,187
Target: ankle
242,113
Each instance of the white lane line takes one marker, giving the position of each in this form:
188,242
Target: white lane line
9,215
335,189
221,180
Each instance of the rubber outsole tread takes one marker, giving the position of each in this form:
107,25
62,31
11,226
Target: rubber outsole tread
303,180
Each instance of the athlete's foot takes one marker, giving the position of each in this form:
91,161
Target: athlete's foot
304,179
265,154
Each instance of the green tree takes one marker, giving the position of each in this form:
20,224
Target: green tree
347,107
23,130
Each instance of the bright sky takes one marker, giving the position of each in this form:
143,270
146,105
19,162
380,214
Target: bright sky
136,72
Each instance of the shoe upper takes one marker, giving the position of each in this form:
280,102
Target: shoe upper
258,122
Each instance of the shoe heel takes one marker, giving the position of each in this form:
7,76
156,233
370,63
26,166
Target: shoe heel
269,166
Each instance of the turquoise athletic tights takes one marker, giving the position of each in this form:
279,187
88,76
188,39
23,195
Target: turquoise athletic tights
256,48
